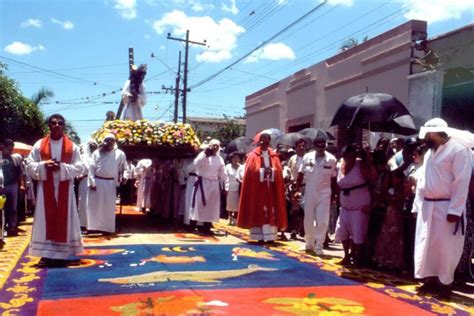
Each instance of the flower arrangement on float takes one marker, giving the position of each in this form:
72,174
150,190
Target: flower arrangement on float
149,133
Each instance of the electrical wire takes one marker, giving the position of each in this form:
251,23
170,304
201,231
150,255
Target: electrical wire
200,83
57,74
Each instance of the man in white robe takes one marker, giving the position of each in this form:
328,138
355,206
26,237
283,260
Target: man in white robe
206,199
54,162
83,190
440,202
144,174
107,168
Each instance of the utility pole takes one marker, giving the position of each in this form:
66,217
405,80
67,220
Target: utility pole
130,64
176,90
185,79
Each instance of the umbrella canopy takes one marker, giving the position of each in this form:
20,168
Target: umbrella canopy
402,125
241,145
290,139
22,148
274,133
313,133
376,112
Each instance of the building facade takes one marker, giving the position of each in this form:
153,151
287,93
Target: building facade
442,83
311,96
205,126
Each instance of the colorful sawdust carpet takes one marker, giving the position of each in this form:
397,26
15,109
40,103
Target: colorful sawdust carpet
205,279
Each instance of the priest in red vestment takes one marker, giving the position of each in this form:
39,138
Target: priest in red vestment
54,162
262,200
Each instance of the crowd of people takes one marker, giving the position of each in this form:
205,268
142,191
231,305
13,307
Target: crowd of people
400,205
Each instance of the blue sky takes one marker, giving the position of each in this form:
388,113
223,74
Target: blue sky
79,49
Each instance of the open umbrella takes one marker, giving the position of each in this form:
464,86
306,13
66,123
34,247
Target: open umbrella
378,112
22,148
274,133
313,133
403,125
290,139
241,145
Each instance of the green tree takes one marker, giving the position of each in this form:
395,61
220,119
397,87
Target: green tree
20,118
43,95
351,42
71,132
228,131
348,44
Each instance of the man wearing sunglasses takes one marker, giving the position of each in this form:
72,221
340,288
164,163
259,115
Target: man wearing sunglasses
54,162
318,169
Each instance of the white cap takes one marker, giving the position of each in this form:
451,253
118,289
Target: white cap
214,142
434,125
109,135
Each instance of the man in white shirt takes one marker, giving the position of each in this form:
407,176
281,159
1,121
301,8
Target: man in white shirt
296,214
13,180
318,169
440,204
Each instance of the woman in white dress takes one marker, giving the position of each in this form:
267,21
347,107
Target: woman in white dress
234,171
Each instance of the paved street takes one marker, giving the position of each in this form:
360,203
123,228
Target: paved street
147,269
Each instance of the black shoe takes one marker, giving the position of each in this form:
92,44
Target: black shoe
444,292
283,237
12,233
293,236
427,288
50,263
346,261
2,244
189,228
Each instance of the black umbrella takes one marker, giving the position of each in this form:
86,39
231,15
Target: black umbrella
290,139
241,145
313,133
379,112
402,125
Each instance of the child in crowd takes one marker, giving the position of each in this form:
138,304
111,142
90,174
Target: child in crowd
389,246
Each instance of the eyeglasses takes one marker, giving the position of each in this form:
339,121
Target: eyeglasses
59,123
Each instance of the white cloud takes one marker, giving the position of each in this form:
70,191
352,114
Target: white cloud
67,25
196,6
344,3
19,48
127,8
31,23
437,10
232,8
221,36
273,51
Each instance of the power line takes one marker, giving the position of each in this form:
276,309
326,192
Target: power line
301,60
331,33
366,28
73,68
77,80
260,46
